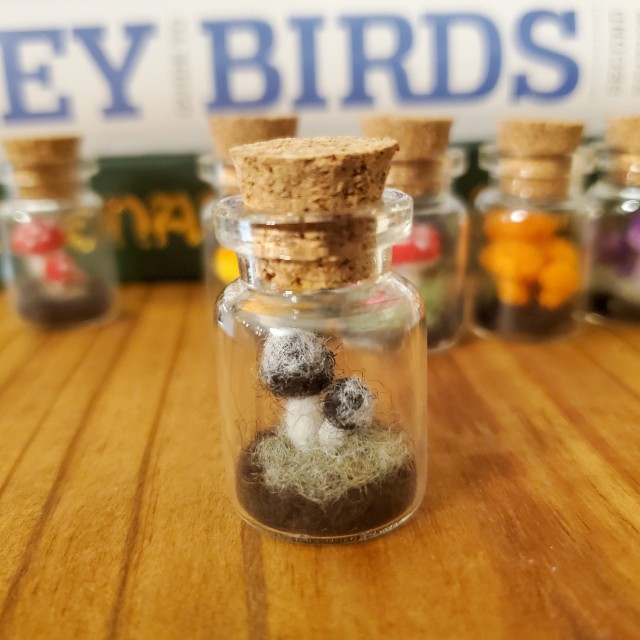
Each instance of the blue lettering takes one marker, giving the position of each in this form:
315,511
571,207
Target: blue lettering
492,59
17,76
116,76
568,67
224,63
307,28
361,63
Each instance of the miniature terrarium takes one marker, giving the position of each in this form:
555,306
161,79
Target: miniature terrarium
322,353
219,263
528,280
434,256
57,261
614,281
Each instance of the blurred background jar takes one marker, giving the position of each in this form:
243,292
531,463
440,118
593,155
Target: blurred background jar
528,249
321,347
58,262
434,256
220,264
614,274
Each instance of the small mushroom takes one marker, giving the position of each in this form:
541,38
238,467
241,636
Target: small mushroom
62,276
422,248
349,404
34,241
296,364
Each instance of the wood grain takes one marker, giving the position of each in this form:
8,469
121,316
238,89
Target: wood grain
114,522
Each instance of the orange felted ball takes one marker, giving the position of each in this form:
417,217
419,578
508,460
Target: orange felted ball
562,250
513,260
560,277
520,225
551,299
514,292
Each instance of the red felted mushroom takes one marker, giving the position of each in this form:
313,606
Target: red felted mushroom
34,241
424,245
61,271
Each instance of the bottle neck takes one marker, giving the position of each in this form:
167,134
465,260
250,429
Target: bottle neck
535,177
52,181
428,177
622,168
303,276
220,174
313,251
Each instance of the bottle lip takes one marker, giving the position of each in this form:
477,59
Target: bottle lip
82,169
607,158
235,224
582,159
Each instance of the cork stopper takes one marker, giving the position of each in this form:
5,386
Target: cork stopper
419,166
228,131
623,134
44,167
536,157
332,184
623,137
327,174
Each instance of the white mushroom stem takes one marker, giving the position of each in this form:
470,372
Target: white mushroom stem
302,420
330,437
60,290
35,265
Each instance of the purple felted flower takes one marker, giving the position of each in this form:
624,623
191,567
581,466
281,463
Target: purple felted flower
633,233
611,246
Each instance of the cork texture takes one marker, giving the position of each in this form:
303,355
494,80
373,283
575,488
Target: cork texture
624,169
623,134
418,138
536,157
340,237
325,273
417,177
300,175
41,151
539,137
335,179
232,130
44,167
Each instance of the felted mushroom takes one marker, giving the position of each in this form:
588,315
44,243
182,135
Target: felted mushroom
421,249
347,404
62,277
296,366
34,241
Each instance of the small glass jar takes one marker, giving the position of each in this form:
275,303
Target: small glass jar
321,371
219,265
58,262
434,257
614,274
529,253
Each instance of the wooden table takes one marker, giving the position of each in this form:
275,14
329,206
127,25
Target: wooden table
114,521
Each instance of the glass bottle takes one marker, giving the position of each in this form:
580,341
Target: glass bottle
321,357
220,265
529,245
57,260
614,274
434,257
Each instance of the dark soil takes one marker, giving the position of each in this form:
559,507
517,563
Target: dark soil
529,322
358,510
36,305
